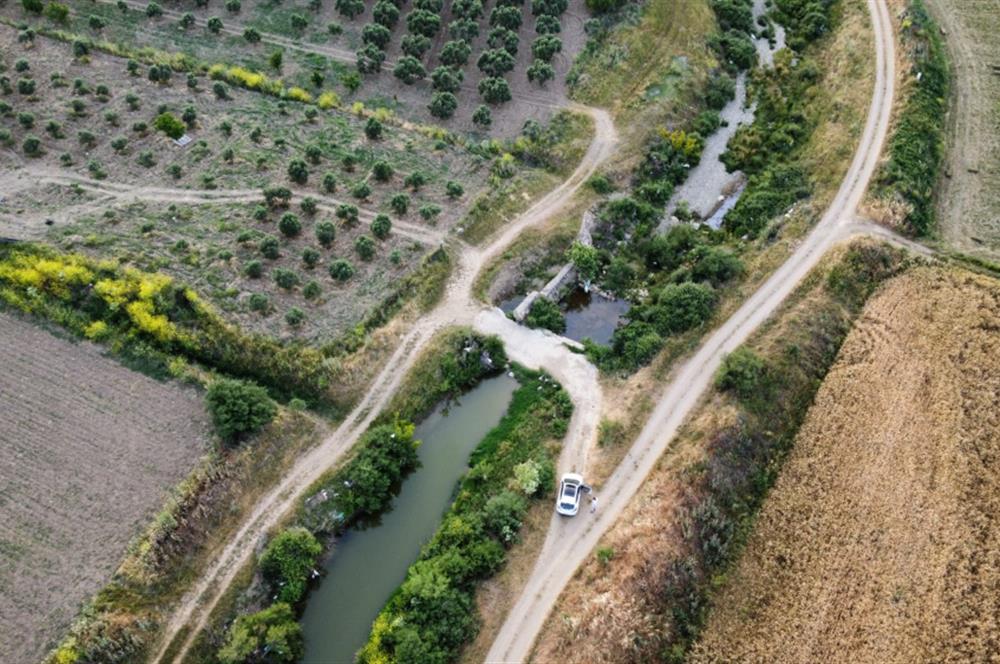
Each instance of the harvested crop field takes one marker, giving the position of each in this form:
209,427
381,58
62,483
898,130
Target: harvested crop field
88,451
880,540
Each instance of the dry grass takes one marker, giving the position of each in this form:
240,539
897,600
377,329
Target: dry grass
879,542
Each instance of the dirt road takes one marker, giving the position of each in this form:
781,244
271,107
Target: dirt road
571,540
458,307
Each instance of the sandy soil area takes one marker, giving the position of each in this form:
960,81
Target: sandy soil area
880,541
88,452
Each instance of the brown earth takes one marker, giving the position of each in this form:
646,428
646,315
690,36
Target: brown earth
969,193
880,541
88,452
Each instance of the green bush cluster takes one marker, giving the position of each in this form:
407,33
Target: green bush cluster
288,561
916,150
546,314
433,613
679,271
238,408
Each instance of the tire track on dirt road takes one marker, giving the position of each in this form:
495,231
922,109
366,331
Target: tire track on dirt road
458,307
570,541
126,192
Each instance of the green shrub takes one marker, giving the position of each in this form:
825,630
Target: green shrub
742,372
365,247
170,125
238,408
341,270
326,232
295,317
287,562
273,630
259,302
545,313
285,278
289,225
381,226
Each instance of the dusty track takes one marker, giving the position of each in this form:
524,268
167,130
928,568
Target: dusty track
570,541
34,175
532,348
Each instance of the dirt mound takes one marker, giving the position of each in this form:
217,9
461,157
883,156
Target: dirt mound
880,541
88,450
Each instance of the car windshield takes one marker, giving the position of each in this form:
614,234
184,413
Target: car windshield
569,490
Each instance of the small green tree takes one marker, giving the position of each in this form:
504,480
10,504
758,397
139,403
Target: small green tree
289,225
287,562
365,246
238,408
443,105
446,79
214,25
586,260
298,172
272,635
415,45
455,53
382,170
373,129
482,116
381,226
341,270
170,125
494,90
742,372
326,232
409,70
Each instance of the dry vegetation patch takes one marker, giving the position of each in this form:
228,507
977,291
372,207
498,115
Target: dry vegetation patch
90,451
880,542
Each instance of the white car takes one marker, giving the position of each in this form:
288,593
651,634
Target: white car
570,489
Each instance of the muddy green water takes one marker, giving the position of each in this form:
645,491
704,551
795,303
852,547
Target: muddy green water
368,565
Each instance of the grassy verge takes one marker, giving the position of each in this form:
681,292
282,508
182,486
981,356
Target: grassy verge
432,615
916,149
547,157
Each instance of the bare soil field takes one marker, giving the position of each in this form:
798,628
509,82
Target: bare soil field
880,542
969,192
89,451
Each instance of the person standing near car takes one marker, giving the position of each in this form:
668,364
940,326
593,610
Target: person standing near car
593,504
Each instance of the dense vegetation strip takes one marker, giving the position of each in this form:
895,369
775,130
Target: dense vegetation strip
675,280
433,614
149,319
916,150
772,386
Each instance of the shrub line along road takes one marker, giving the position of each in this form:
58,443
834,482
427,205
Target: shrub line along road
569,541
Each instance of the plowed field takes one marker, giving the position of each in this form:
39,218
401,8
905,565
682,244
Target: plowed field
88,451
880,541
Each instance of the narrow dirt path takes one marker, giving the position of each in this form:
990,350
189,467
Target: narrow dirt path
127,192
458,307
570,541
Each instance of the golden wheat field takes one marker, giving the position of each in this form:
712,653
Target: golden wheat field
880,542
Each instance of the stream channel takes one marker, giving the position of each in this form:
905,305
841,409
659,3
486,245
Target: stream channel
368,565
